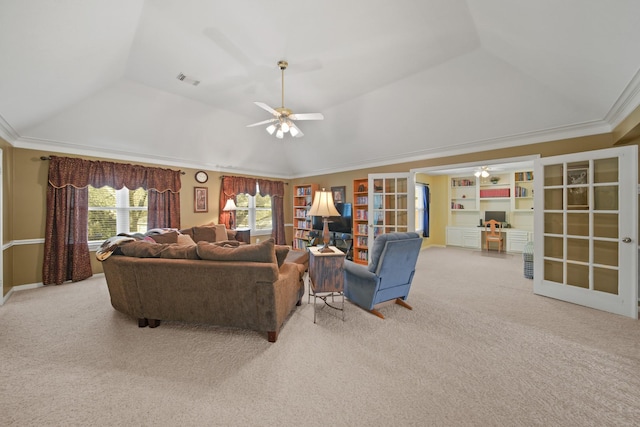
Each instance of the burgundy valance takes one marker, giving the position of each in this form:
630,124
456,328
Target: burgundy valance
234,185
80,173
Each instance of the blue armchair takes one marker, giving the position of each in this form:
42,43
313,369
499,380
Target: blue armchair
389,274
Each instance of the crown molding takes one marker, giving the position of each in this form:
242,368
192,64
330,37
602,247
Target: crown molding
562,132
7,132
626,103
71,148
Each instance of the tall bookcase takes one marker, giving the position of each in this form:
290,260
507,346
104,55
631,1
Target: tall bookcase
360,221
302,225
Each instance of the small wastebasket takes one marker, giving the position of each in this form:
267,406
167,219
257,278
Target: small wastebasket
527,257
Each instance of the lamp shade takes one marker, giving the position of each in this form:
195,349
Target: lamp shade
323,205
230,205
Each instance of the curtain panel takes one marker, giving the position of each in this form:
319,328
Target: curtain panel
66,251
234,185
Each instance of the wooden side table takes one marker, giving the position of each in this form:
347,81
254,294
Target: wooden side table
326,274
243,235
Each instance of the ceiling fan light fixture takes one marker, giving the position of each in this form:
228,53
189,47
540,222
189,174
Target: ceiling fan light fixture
284,117
484,173
271,129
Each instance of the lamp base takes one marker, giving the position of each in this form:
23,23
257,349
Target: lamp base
325,249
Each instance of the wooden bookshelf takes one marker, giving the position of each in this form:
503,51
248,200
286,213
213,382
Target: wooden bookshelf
360,221
302,224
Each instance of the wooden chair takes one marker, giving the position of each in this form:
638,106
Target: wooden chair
493,233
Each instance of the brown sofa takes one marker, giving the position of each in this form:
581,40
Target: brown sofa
244,286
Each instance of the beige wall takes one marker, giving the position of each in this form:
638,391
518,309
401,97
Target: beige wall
25,179
7,217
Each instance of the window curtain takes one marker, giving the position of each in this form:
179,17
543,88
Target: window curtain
425,217
66,251
276,190
234,185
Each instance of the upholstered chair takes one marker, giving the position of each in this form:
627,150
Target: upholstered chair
389,274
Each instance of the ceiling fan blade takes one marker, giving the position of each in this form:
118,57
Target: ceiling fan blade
295,131
306,116
263,122
266,107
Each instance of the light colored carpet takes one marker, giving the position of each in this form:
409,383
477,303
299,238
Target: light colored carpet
479,349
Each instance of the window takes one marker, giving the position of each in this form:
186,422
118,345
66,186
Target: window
254,212
112,212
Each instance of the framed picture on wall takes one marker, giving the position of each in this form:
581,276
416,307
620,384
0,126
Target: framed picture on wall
577,197
338,194
200,199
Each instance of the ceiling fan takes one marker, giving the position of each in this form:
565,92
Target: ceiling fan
282,122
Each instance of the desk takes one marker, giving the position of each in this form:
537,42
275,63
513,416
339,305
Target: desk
473,237
326,277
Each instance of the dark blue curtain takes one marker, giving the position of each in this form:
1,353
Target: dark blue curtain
425,218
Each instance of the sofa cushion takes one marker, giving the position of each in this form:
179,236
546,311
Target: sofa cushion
260,252
185,240
281,254
168,237
142,249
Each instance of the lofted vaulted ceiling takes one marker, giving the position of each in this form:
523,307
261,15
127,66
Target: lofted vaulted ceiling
395,81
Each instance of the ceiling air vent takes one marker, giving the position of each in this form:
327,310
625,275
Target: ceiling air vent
188,79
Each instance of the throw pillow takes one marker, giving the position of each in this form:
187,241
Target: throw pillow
168,237
221,233
281,254
260,252
185,240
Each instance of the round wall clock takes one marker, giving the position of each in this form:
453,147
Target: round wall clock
202,177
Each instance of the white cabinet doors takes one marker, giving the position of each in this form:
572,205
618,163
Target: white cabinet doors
586,229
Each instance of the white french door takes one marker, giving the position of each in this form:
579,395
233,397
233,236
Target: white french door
391,204
586,229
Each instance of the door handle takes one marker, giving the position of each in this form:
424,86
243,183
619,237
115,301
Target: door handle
627,240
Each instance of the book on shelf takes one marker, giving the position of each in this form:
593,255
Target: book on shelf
362,200
362,214
524,176
462,182
495,192
363,255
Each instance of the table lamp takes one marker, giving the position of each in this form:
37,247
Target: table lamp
323,206
230,207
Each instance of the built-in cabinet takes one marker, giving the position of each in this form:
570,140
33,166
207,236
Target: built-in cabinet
470,197
361,221
302,223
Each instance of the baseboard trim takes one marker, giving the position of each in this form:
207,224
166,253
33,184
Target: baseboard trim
28,286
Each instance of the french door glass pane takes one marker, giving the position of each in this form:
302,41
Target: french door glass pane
605,280
605,198
578,224
553,223
553,175
605,170
578,250
553,199
605,225
578,275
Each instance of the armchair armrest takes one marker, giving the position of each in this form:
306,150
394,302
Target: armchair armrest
359,284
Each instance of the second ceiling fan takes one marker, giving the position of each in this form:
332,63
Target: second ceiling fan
282,121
